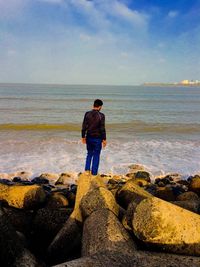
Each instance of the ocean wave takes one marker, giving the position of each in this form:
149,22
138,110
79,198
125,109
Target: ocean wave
134,127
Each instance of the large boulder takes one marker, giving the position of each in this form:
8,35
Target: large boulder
98,198
65,179
45,226
68,239
166,193
20,219
139,258
195,184
187,196
57,200
13,252
131,192
102,231
167,227
192,205
65,243
22,196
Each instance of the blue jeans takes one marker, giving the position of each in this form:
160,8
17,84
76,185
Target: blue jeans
94,146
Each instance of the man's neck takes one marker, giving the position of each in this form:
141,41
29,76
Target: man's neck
95,108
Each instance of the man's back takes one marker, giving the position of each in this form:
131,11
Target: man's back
94,124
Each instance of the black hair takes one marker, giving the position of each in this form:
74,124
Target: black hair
98,103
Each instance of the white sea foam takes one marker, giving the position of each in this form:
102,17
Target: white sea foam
57,155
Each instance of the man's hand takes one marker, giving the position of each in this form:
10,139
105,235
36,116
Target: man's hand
104,143
83,140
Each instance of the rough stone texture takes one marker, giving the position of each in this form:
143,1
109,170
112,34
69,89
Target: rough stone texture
84,186
165,193
65,179
130,213
195,184
57,200
45,226
27,259
187,196
99,198
50,176
11,247
139,259
131,192
69,237
20,219
167,227
192,205
103,231
22,196
66,241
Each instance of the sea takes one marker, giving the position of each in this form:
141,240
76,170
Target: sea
157,127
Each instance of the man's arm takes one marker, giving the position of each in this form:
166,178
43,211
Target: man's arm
84,129
103,131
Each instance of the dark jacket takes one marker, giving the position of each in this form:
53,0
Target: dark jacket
94,125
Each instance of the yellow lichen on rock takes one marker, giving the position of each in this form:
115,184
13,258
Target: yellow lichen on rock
96,199
22,196
167,226
84,185
131,192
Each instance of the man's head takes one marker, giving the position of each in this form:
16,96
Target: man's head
98,103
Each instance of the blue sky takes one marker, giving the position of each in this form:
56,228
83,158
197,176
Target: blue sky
99,41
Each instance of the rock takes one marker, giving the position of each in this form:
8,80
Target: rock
175,177
140,176
13,252
65,179
167,227
187,196
164,181
57,200
195,184
17,179
6,182
192,205
169,178
68,239
52,177
102,231
98,198
40,180
130,214
151,188
20,219
165,193
143,175
65,242
71,198
131,192
45,226
136,167
140,258
23,175
22,196
183,182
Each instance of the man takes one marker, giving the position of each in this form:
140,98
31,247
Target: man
94,136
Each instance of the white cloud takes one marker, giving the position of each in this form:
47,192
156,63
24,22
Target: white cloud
172,14
122,11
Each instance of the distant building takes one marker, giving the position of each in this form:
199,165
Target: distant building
185,82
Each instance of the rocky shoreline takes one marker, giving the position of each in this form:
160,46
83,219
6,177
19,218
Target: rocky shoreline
123,220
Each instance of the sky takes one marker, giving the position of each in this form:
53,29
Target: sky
114,42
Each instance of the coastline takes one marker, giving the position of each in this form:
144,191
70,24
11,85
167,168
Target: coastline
63,222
